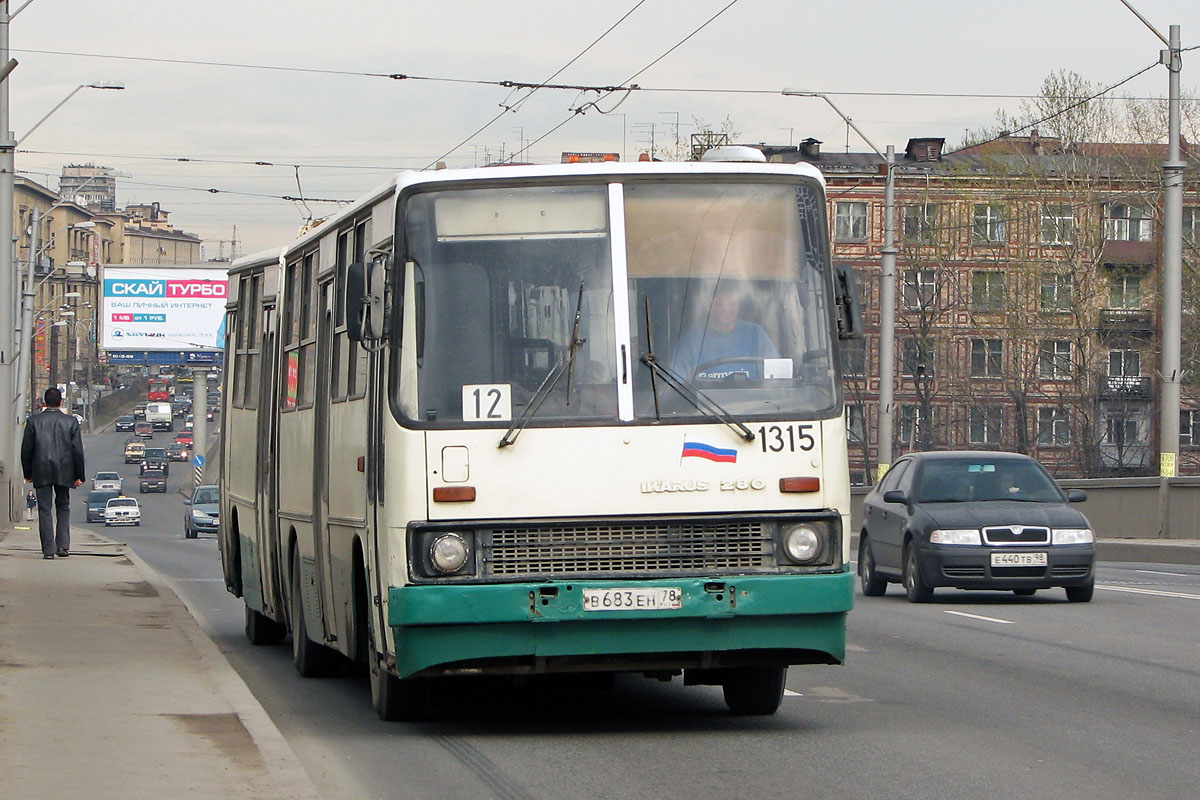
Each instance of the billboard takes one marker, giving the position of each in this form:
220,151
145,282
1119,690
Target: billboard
163,308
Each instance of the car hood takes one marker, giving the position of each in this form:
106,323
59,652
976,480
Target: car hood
212,509
1004,512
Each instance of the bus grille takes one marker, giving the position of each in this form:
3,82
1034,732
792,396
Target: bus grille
630,549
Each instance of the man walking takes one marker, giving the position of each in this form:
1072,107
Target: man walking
52,458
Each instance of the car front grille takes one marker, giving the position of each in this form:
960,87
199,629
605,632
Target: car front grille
628,548
1016,535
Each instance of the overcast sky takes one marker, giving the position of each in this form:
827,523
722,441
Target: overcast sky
349,131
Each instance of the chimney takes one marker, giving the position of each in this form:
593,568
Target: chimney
810,148
1035,142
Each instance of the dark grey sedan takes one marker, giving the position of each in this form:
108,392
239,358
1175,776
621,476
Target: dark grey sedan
974,520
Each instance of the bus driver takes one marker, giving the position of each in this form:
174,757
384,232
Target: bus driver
710,348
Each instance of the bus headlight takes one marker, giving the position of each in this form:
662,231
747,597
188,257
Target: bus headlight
448,553
802,543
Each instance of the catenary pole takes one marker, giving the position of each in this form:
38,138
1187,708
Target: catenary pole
887,318
10,472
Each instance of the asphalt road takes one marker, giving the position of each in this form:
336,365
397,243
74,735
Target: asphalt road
978,695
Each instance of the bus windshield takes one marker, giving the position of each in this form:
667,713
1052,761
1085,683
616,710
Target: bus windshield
508,302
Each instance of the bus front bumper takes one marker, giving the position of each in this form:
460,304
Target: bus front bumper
523,628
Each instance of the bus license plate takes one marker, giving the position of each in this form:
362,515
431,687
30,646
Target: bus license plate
1018,559
642,599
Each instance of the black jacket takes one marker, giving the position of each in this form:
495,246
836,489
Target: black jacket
52,450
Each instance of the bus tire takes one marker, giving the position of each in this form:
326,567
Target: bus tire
261,629
872,584
754,690
394,699
311,660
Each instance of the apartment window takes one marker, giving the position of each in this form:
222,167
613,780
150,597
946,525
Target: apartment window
912,424
854,358
920,222
1191,224
916,360
1124,364
1056,291
1126,222
987,358
920,288
1053,427
989,223
850,221
1058,224
1121,430
1125,291
1054,360
985,424
856,424
987,290
1189,428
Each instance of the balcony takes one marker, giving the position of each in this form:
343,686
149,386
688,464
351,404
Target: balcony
1133,322
1124,387
1138,256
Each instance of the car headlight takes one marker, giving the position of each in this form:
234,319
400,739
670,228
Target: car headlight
956,536
802,543
448,553
1072,536
198,514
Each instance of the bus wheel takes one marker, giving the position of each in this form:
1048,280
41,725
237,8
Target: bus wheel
395,699
261,629
311,660
755,690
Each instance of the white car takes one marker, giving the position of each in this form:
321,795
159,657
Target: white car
107,480
122,511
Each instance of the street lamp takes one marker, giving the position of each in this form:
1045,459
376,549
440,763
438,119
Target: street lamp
887,291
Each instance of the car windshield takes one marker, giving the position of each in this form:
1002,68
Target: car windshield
122,502
205,496
107,476
965,480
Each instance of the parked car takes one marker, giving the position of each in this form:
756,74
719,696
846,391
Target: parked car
179,451
204,512
97,499
143,429
124,423
152,480
974,520
122,510
134,452
107,480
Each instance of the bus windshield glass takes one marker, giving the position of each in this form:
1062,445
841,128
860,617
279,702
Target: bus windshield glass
507,304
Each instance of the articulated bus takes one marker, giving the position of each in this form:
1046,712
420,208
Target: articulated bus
496,422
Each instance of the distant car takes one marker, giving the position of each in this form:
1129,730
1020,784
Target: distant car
107,480
125,423
143,429
204,514
139,411
96,500
189,423
156,458
178,451
152,480
179,408
122,511
134,452
974,520
185,436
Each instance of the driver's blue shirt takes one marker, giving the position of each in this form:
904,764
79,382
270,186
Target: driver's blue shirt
700,346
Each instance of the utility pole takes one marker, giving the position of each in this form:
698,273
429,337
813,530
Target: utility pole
887,319
10,477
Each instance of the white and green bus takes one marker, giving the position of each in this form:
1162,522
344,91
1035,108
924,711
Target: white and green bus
496,422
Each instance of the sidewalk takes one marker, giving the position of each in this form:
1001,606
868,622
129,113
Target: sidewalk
110,689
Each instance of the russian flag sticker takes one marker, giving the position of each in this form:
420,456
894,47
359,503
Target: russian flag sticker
708,451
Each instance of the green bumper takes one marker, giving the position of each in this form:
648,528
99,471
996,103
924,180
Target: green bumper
440,625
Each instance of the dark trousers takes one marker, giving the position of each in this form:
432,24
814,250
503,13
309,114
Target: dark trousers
54,502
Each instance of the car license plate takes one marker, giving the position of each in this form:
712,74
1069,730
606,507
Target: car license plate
640,599
1018,559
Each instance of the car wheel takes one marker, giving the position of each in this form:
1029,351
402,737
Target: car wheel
872,584
262,630
311,660
1024,592
914,584
754,690
191,534
1081,594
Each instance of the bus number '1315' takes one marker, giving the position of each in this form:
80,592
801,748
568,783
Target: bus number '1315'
776,438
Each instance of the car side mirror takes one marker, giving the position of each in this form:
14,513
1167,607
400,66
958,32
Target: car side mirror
895,496
187,501
1076,495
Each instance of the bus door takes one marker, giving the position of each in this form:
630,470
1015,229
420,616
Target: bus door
267,521
323,398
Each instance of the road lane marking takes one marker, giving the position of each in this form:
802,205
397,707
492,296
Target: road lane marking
790,693
977,616
1156,572
1155,592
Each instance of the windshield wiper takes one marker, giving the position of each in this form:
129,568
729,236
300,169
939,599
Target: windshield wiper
566,364
702,402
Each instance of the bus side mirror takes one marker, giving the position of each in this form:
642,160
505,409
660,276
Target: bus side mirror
364,301
849,310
